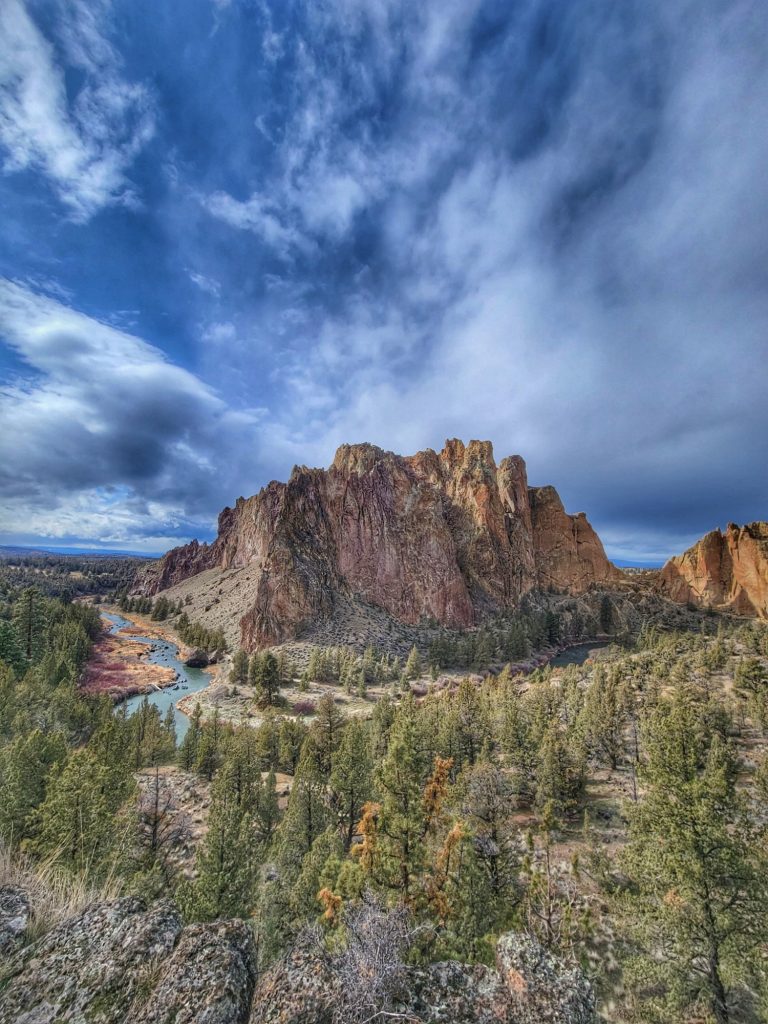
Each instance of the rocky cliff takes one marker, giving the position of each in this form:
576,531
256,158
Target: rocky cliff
450,536
727,571
121,960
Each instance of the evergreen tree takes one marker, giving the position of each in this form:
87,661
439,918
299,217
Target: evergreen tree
326,731
11,651
189,748
698,866
25,765
400,819
239,671
351,777
30,622
307,814
227,857
413,667
77,821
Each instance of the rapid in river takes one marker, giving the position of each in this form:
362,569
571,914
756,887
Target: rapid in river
188,680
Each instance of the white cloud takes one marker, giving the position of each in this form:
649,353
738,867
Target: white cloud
260,217
205,284
97,410
83,145
595,304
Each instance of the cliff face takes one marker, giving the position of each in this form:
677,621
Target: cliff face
449,535
723,570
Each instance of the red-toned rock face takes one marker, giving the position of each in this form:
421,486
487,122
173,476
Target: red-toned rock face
450,536
723,570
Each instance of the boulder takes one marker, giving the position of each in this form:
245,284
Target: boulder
540,988
527,986
197,659
299,989
92,967
208,979
15,914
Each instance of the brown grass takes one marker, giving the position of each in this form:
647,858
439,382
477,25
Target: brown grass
55,895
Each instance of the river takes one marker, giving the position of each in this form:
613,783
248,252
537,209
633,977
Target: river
577,654
164,653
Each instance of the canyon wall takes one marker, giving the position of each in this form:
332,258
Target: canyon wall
725,571
450,536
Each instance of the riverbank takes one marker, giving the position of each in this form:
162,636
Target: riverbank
135,659
119,667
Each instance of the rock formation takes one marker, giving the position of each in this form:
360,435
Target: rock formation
725,571
120,960
450,536
527,986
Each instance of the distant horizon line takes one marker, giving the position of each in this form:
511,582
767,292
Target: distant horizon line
622,563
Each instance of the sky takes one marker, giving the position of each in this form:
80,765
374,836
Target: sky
236,234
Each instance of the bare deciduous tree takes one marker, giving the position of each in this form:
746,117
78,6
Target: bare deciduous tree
373,978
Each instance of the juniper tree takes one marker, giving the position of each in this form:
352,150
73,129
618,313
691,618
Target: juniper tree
77,823
25,766
239,672
189,747
413,667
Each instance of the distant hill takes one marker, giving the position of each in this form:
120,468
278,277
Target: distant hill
13,551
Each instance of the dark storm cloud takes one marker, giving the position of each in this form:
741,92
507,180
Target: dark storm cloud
541,223
108,419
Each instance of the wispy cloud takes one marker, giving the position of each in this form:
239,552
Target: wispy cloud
84,140
541,223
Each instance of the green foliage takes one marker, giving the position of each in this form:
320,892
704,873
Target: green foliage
77,823
698,867
228,857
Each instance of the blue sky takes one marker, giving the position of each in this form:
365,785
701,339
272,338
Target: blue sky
237,234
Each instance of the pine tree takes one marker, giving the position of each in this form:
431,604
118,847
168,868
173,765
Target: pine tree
401,820
270,678
486,806
25,766
697,864
351,777
604,716
307,814
326,731
239,671
413,668
11,651
77,822
190,746
227,856
30,622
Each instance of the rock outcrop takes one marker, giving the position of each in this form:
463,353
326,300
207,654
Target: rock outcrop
450,536
527,986
725,571
15,913
120,960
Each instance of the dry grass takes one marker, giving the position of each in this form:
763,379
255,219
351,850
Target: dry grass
55,895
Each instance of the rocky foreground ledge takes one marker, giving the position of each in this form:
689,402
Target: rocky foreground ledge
122,960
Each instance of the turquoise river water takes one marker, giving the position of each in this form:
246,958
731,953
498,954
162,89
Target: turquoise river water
163,652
